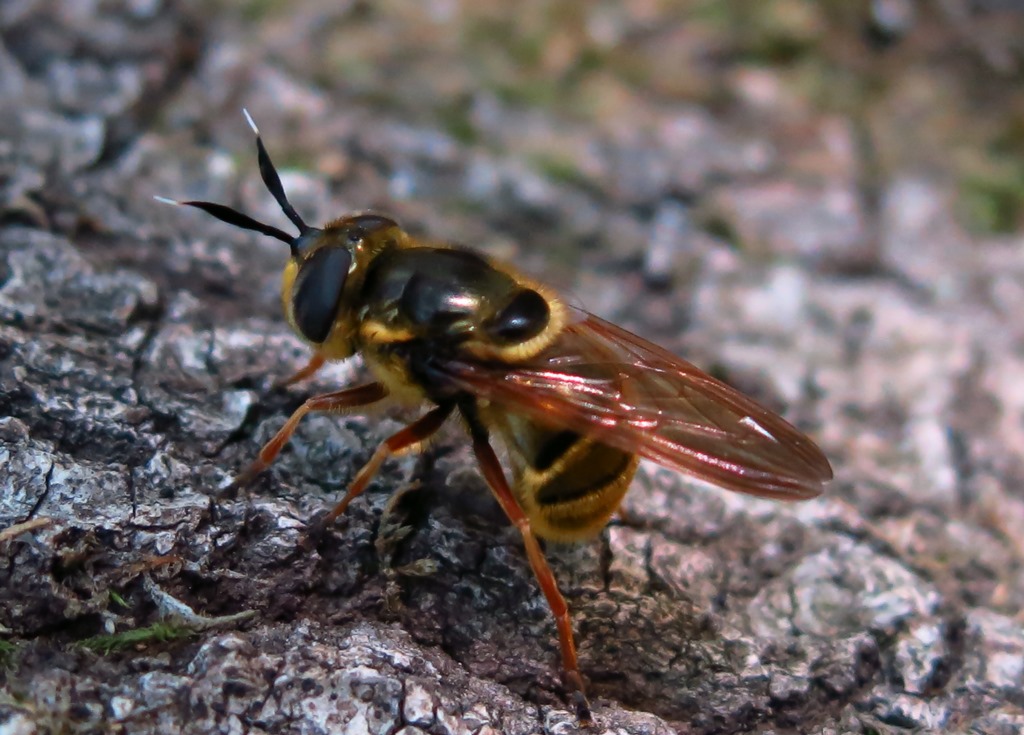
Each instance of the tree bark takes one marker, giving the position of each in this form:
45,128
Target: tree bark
139,345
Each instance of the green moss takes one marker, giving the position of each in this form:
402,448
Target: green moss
995,203
720,228
992,187
256,10
590,59
528,92
156,633
456,119
777,32
717,14
560,169
7,653
468,207
494,36
526,50
511,62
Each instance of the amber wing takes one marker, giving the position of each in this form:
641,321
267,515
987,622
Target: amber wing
601,380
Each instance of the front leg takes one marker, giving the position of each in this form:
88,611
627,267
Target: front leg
337,402
406,440
399,443
316,361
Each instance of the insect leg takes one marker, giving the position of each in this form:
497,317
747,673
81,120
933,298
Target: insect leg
398,443
315,363
496,480
337,402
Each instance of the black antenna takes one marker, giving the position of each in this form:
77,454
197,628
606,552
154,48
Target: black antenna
273,183
272,180
236,218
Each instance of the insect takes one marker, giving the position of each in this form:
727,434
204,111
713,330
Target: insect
575,400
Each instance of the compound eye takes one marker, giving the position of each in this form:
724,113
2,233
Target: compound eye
525,316
317,291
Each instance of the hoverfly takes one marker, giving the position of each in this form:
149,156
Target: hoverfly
576,400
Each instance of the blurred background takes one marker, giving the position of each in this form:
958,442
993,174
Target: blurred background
639,138
575,124
819,200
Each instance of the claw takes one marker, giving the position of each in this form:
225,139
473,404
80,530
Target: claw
574,683
315,531
243,479
583,716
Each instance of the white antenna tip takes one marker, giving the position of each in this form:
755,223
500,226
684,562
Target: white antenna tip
252,123
165,200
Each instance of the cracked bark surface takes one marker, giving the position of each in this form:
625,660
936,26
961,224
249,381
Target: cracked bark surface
139,344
